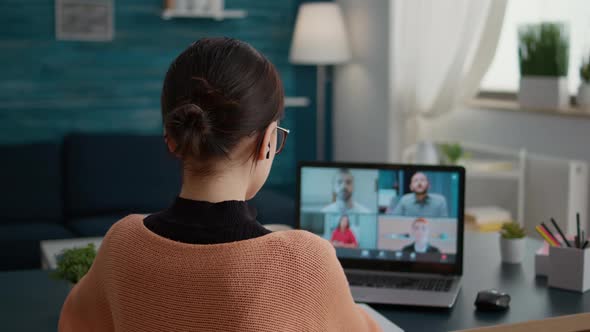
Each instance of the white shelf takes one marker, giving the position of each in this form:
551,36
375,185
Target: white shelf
505,164
296,102
174,13
511,175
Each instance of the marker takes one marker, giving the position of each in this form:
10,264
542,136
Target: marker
550,234
541,231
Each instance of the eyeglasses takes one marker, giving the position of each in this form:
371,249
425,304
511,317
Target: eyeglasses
282,135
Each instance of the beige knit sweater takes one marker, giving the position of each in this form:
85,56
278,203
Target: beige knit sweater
283,281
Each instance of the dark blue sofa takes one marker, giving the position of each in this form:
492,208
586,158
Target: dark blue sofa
81,187
108,177
31,202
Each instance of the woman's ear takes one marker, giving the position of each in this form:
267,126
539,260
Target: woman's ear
170,144
266,150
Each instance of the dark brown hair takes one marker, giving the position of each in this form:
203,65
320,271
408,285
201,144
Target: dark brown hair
216,92
347,221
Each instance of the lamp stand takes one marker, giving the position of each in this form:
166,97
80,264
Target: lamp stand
320,112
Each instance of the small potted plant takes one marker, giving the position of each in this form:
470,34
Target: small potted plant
512,243
73,264
543,52
454,153
583,98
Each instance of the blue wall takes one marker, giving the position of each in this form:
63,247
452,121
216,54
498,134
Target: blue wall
49,88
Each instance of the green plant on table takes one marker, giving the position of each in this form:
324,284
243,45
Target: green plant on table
453,152
543,49
512,230
585,70
74,263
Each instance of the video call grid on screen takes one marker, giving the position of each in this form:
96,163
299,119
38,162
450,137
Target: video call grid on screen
389,214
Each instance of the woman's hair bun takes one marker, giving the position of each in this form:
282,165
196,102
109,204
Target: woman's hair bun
189,126
190,116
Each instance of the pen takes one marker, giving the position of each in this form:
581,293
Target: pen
550,234
567,243
578,225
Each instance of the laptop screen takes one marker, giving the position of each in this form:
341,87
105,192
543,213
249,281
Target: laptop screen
388,213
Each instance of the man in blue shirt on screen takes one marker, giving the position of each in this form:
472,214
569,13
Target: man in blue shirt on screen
421,203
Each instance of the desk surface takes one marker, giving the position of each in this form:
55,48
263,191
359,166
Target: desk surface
531,298
31,301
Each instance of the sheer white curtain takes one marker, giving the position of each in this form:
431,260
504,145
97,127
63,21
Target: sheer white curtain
440,52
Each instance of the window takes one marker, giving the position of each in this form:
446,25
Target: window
503,74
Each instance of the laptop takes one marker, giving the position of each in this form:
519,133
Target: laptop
397,229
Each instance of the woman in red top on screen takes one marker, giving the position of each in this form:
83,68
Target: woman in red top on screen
342,235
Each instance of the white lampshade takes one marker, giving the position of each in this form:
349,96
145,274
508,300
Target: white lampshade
320,37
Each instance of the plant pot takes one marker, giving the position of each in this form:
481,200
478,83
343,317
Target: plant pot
512,250
583,98
543,92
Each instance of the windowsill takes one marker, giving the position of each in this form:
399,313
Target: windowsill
511,105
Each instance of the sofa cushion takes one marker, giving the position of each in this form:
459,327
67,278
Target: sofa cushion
31,182
19,231
93,226
118,174
20,243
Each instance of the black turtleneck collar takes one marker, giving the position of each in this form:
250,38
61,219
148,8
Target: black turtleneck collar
199,222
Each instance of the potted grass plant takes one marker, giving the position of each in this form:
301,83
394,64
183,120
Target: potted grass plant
543,52
454,153
583,98
512,243
73,264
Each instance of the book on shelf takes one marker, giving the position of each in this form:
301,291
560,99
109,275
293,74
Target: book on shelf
483,165
487,218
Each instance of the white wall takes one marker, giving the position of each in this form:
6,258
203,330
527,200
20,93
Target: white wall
361,87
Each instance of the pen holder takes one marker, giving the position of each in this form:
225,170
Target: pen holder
542,264
569,269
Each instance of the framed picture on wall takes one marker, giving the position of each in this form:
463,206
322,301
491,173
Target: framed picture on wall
84,20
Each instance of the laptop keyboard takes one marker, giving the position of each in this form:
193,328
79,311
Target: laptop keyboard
399,282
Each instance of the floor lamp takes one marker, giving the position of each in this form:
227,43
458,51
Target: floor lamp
320,39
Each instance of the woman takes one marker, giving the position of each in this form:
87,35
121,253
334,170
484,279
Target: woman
342,235
205,263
